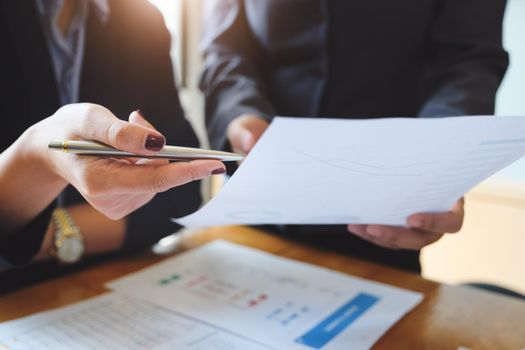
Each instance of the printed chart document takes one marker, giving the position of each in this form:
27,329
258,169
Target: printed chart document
271,301
380,171
116,322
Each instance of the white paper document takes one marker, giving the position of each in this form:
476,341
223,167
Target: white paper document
269,301
113,321
380,171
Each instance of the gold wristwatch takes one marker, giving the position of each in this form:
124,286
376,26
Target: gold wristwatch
68,244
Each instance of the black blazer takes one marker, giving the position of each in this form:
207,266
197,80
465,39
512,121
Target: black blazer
126,66
350,58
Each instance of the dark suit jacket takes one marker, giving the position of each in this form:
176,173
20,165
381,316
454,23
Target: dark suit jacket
350,58
126,66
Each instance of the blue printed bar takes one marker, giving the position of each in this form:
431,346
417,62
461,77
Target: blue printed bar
338,321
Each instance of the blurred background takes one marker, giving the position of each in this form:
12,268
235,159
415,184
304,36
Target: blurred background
491,246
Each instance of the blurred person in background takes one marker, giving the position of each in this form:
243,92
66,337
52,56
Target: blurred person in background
351,59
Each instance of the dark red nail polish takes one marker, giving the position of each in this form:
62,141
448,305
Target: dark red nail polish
218,171
155,143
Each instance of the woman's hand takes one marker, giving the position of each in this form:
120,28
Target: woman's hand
115,187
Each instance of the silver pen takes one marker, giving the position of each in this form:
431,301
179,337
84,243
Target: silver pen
97,149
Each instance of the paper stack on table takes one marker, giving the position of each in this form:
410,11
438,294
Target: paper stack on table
217,297
271,301
114,321
379,171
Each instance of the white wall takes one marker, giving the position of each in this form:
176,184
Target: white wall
511,96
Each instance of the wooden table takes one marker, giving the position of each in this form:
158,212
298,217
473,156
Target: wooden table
449,316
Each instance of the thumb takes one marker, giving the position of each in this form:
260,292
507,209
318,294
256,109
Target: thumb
103,126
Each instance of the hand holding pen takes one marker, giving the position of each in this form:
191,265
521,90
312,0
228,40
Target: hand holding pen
115,186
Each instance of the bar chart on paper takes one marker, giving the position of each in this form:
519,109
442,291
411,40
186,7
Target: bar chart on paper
283,313
253,295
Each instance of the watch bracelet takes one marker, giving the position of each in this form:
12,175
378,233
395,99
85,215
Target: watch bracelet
63,221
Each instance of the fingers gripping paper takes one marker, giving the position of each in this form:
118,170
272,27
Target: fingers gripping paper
326,171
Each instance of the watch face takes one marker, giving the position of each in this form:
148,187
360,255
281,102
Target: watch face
71,250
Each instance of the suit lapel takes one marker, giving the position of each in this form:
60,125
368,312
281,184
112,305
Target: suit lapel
33,57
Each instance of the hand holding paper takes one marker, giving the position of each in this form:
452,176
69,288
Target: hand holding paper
380,171
421,229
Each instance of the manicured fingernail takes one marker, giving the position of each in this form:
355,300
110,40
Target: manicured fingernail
155,142
218,171
415,222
